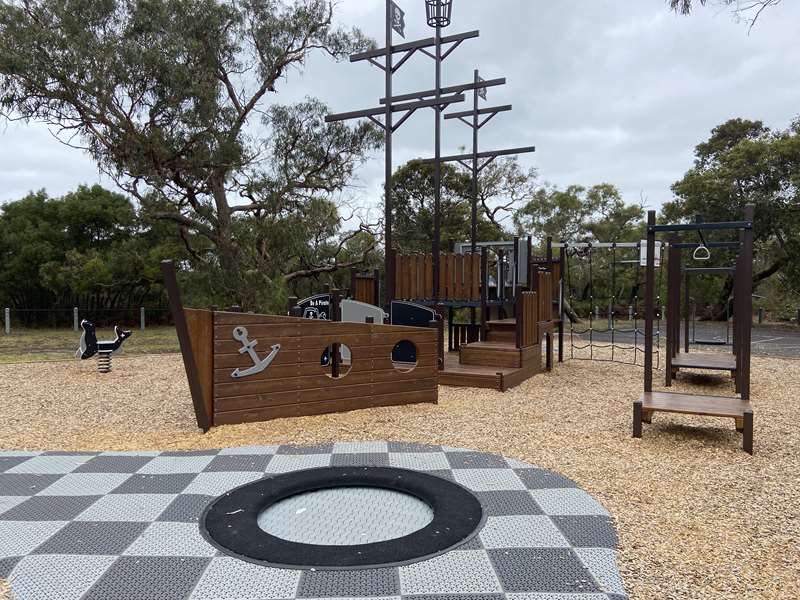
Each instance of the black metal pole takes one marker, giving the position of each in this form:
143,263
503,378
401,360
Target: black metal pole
474,214
388,208
437,167
648,301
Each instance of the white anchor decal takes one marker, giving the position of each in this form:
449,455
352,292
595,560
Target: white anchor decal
240,335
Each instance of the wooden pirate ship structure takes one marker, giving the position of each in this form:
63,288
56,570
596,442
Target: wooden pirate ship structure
245,367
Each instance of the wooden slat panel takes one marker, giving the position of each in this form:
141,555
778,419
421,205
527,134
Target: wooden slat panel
429,275
423,282
365,289
308,395
259,330
458,264
385,363
399,262
200,324
377,351
228,318
411,277
444,275
226,363
475,277
295,410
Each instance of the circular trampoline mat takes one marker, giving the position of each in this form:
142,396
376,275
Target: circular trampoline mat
102,525
345,516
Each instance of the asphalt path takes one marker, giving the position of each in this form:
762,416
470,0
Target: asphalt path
767,340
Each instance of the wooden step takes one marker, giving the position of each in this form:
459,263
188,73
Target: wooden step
502,325
695,404
491,354
497,378
509,337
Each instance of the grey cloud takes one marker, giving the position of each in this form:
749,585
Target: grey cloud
606,90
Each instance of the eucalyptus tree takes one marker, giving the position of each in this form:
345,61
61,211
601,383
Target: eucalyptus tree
173,100
747,10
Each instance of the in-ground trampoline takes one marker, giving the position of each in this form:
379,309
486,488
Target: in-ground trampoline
344,520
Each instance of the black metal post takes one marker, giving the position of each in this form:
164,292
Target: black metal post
474,213
437,166
388,204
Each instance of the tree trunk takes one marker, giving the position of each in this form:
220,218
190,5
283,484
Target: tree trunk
568,310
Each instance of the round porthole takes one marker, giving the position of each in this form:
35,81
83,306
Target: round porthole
342,518
404,356
336,369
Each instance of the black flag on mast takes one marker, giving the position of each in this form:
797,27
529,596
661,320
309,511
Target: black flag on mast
482,91
398,20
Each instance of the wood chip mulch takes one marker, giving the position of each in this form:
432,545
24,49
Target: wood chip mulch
698,518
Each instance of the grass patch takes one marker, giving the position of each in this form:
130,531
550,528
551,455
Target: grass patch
28,345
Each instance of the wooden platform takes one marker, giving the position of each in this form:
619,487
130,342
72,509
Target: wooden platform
711,361
694,404
495,378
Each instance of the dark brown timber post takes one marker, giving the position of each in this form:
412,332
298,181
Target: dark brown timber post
189,364
746,316
637,419
747,433
687,308
519,314
673,294
484,290
529,265
336,350
562,257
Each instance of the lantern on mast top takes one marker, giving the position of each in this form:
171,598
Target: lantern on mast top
439,12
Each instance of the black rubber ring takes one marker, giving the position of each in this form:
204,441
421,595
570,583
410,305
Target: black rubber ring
230,522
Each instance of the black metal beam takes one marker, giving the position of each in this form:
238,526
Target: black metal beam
704,226
373,112
490,154
415,45
452,89
482,111
693,245
709,270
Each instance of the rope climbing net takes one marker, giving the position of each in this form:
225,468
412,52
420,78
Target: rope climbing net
621,337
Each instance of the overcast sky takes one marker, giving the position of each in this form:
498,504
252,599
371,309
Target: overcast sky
613,91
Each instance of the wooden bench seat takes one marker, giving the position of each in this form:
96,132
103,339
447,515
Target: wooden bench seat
695,404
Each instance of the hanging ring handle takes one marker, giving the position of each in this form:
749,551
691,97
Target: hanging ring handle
701,253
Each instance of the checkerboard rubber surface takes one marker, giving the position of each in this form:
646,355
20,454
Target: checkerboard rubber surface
124,526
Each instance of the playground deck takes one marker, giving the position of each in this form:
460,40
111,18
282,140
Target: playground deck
496,378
